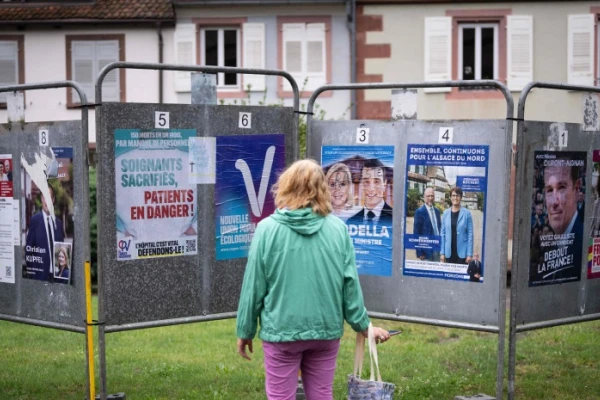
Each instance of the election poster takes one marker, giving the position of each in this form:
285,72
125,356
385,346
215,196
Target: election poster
156,211
557,217
445,209
593,262
361,181
7,219
247,167
47,210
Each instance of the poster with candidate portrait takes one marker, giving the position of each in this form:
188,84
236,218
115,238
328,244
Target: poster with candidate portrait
47,211
557,217
247,168
361,181
156,213
7,221
593,261
446,189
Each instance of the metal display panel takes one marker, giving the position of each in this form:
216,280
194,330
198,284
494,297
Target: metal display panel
418,298
43,301
140,292
568,294
223,278
401,296
556,301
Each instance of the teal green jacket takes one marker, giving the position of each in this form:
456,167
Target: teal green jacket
300,281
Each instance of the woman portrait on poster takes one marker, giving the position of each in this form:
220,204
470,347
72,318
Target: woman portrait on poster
457,231
339,181
62,269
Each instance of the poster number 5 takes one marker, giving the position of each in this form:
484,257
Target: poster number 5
245,120
362,135
446,135
43,137
161,120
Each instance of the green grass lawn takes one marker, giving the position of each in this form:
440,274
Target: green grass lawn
199,361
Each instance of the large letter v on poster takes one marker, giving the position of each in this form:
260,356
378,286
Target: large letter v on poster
257,202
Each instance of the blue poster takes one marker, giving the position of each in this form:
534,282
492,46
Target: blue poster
360,180
247,167
446,188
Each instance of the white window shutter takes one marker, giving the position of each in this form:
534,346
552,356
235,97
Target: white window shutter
519,52
315,56
9,68
254,55
82,68
293,39
581,50
107,51
185,54
438,51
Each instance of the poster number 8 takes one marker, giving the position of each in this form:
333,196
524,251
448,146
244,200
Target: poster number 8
245,120
362,135
446,135
161,120
43,137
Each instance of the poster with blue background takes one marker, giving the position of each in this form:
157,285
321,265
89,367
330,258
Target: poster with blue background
446,189
247,167
361,181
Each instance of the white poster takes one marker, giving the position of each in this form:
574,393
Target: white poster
7,219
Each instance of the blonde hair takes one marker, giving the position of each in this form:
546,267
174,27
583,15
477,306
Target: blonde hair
64,251
303,185
344,169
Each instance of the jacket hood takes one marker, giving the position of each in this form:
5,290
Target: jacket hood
304,220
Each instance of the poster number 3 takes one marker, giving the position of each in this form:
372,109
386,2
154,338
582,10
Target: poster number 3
44,137
362,135
245,120
446,135
161,120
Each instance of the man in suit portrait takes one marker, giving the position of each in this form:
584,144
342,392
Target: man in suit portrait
7,171
373,183
474,268
562,186
43,231
427,222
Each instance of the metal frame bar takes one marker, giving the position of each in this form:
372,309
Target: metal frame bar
520,158
102,329
84,130
500,329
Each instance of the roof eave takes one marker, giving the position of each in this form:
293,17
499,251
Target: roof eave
150,21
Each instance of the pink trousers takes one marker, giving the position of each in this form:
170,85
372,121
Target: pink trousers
315,358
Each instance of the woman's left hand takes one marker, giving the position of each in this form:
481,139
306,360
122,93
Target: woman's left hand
241,347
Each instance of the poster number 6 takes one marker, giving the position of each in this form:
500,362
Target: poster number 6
362,135
245,120
161,120
446,135
43,137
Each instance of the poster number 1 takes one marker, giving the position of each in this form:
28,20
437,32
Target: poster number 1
161,120
245,120
362,135
563,139
43,137
446,135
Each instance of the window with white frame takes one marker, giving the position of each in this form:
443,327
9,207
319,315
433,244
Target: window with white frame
221,47
88,57
9,65
304,53
478,51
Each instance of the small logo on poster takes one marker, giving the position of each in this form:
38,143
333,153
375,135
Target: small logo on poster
123,246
